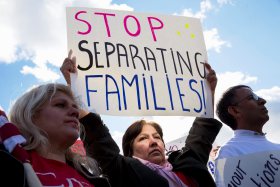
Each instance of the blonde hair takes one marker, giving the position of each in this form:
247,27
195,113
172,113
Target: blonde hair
27,106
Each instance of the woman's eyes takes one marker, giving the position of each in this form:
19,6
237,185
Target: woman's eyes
65,104
142,138
61,105
145,137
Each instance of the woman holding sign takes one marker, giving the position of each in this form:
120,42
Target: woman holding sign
144,163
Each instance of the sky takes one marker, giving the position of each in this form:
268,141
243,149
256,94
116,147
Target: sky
242,40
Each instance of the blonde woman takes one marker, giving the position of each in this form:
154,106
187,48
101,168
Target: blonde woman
47,116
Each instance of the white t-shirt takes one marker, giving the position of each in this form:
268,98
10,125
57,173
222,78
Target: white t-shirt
242,143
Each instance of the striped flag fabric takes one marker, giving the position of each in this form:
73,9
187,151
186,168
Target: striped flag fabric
12,140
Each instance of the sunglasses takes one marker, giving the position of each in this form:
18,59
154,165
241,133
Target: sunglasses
249,97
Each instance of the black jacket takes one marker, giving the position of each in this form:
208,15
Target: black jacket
129,172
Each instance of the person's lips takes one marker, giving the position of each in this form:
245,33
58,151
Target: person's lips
265,109
155,152
73,123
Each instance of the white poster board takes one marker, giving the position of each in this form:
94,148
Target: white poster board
179,143
253,170
139,64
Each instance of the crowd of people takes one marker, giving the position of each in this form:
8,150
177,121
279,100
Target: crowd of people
47,121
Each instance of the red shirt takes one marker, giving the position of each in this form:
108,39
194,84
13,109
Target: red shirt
55,173
186,180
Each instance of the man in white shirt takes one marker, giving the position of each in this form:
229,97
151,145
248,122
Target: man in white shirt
245,113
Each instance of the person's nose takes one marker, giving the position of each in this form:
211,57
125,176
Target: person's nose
74,111
153,142
261,100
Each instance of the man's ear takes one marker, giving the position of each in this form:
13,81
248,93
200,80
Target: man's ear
232,111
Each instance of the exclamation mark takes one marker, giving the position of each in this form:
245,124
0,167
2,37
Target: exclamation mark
203,96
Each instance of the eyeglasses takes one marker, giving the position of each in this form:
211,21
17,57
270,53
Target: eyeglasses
249,97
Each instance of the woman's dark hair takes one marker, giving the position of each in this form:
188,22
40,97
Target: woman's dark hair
228,99
133,131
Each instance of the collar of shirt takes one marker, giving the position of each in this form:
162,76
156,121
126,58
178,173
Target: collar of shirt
241,132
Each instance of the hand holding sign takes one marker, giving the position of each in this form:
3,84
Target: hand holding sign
211,77
68,66
211,80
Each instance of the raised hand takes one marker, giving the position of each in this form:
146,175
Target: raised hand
211,77
68,66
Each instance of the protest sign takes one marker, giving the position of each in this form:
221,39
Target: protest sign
139,64
253,170
175,145
179,143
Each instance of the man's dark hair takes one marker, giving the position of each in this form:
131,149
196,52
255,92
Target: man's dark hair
133,131
228,99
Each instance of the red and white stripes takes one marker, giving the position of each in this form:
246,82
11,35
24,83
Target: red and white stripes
12,140
9,134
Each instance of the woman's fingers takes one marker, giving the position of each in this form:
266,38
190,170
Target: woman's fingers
70,53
